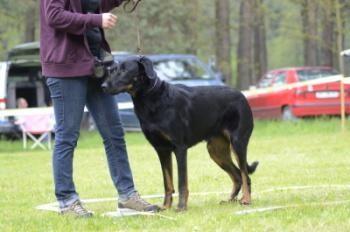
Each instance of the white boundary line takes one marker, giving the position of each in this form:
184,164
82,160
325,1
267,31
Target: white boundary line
278,207
54,206
120,213
302,187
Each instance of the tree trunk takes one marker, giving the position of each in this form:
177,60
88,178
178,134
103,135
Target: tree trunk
30,21
191,27
328,34
260,50
245,63
309,15
223,40
339,30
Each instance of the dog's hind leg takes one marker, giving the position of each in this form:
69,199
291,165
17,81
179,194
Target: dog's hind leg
239,146
219,151
239,134
167,170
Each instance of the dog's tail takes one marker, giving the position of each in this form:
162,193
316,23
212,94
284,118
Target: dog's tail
251,168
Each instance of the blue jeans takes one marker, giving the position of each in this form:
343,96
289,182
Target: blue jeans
69,97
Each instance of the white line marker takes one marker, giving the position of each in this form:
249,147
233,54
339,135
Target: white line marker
302,187
129,213
278,207
54,206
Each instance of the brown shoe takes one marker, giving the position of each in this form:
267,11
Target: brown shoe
76,209
136,203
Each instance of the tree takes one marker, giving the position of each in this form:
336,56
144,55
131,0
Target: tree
309,15
191,26
260,49
11,20
30,22
340,7
328,36
223,39
245,63
181,26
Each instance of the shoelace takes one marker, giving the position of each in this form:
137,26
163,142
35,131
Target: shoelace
78,208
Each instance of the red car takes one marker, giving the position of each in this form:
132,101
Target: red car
297,92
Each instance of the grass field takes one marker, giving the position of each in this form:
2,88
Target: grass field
312,152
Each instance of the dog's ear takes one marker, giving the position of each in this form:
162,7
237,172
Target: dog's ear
148,67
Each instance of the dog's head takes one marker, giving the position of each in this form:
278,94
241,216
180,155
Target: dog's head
130,76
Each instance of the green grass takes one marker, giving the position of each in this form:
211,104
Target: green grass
311,152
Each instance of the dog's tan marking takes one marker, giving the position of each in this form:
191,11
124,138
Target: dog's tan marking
227,134
129,89
170,190
219,151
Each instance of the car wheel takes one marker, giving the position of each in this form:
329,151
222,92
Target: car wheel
287,114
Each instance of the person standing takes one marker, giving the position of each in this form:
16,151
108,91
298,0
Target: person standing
71,39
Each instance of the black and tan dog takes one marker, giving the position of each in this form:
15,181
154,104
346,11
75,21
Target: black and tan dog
176,117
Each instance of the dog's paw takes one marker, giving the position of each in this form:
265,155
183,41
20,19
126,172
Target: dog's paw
244,201
181,209
229,201
165,207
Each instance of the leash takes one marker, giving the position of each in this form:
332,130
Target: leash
137,17
138,32
128,2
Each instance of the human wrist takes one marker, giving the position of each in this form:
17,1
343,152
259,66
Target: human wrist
95,20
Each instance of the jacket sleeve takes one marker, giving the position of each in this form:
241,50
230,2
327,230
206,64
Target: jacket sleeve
108,5
71,22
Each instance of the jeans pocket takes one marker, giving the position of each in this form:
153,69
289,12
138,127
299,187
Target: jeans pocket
54,87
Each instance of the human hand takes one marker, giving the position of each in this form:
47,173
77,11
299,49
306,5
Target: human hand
109,20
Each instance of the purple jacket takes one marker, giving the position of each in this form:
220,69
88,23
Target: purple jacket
64,51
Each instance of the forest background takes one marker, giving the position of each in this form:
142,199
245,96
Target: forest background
244,38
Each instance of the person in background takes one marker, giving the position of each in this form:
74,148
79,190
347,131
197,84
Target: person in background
71,40
22,103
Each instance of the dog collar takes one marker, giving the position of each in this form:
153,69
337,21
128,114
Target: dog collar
153,87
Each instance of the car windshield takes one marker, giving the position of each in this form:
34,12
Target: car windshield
181,69
266,81
311,74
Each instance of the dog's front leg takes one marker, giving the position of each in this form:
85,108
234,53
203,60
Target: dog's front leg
181,158
167,170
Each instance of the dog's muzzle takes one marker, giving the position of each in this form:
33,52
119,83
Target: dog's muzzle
110,70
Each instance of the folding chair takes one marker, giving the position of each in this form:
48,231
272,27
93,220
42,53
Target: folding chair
40,125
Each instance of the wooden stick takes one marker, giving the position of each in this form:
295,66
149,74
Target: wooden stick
341,63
